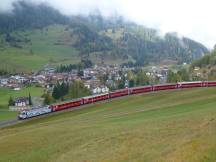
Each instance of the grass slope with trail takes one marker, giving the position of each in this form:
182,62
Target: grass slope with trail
161,126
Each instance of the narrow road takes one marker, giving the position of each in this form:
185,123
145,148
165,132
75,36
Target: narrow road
8,123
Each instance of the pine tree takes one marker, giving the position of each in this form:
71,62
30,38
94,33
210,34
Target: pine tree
121,84
30,100
67,88
55,93
10,101
131,83
60,90
63,89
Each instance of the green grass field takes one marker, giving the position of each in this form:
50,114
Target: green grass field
44,50
7,115
168,126
52,45
5,94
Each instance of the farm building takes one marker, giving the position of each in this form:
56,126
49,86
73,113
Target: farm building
21,101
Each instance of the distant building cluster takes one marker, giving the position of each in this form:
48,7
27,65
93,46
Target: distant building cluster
91,77
98,79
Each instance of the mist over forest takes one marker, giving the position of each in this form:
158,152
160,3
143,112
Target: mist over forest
110,37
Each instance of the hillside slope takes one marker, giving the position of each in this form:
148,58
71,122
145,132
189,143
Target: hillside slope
41,49
205,66
149,127
35,35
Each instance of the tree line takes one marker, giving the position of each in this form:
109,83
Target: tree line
181,75
63,91
85,63
207,60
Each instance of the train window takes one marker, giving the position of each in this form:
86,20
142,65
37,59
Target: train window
23,113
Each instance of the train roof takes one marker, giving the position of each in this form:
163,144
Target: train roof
165,84
140,87
210,81
119,90
95,95
67,101
189,82
36,108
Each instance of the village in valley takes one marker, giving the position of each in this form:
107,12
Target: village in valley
97,79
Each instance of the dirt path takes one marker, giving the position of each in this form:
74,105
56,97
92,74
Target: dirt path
8,123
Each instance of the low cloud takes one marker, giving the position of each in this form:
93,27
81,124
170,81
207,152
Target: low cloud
194,18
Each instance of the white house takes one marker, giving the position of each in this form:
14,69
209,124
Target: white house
96,90
17,89
4,82
99,90
105,90
21,101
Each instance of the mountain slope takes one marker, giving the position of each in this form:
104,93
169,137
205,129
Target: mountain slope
35,35
205,67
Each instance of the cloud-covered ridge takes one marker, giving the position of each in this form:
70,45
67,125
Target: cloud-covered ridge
194,18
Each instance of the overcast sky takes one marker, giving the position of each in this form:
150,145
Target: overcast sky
191,18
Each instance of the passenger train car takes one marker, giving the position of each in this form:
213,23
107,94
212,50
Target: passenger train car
119,93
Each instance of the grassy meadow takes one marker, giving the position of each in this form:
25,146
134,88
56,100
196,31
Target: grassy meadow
43,48
5,94
175,126
51,45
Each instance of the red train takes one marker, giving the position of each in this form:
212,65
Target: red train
95,98
192,84
119,93
164,87
144,89
128,91
66,105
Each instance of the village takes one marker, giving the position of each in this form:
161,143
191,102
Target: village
98,79
91,77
